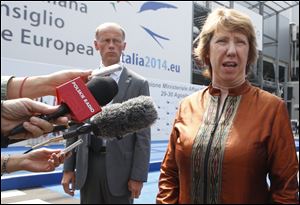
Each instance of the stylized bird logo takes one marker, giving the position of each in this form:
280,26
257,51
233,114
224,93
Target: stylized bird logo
148,6
114,4
151,5
155,36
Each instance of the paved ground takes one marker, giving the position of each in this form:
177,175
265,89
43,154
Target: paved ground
36,196
55,195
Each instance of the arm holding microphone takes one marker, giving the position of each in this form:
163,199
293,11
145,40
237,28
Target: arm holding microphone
80,100
39,160
20,110
23,110
43,85
37,86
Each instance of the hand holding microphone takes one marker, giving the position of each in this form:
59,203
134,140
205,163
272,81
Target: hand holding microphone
14,112
43,85
101,90
97,72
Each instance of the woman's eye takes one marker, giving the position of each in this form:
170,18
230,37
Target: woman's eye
241,42
221,41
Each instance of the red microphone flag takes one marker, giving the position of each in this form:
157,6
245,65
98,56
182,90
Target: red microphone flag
79,99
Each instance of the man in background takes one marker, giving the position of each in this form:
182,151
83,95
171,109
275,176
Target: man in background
111,171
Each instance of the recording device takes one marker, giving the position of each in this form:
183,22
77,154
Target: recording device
115,120
107,70
72,146
119,119
58,128
97,72
82,101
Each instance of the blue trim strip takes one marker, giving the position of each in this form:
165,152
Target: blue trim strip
154,166
45,179
30,181
54,178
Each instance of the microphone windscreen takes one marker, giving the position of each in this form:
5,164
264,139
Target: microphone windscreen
104,89
120,119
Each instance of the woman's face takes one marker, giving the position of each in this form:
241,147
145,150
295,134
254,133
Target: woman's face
228,54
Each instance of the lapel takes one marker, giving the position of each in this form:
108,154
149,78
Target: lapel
123,84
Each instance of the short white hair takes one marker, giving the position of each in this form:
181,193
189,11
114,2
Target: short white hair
110,24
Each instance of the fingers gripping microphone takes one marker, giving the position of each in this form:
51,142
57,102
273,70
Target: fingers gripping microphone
119,119
82,101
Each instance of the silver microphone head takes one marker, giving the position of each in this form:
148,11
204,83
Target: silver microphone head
106,70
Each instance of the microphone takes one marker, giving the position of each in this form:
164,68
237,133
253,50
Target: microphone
115,120
58,128
119,119
80,100
107,70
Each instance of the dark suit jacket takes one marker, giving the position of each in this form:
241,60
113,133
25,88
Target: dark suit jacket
127,158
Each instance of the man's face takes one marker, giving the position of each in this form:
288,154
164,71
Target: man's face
110,44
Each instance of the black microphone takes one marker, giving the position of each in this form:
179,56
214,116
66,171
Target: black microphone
102,88
115,120
58,128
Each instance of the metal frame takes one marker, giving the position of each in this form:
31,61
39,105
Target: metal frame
267,9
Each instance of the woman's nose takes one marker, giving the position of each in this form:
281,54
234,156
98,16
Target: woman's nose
231,51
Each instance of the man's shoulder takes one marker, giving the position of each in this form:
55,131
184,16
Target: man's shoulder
135,75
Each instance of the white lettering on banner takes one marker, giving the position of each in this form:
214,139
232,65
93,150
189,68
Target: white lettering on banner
85,100
167,96
62,30
56,35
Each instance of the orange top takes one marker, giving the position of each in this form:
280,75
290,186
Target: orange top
229,159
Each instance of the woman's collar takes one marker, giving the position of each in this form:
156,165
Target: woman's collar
235,91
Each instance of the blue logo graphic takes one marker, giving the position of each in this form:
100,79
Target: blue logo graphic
155,35
151,6
114,4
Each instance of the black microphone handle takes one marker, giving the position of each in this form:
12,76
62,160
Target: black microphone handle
63,109
58,128
84,129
